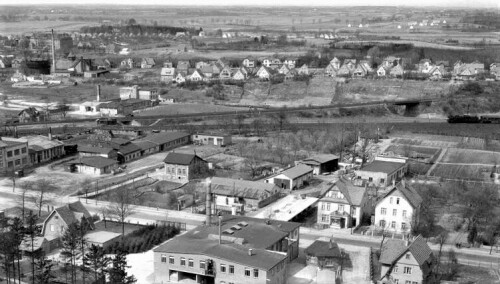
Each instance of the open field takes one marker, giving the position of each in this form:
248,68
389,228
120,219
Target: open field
459,172
7,28
469,156
186,108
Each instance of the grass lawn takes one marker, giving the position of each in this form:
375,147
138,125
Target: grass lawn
470,156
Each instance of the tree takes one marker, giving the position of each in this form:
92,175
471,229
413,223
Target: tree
31,231
86,186
97,261
281,120
131,22
44,274
441,238
373,53
63,107
121,207
25,186
253,161
42,186
17,230
117,273
477,204
70,243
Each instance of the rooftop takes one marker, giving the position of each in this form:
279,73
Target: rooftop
42,142
393,249
100,237
407,192
382,167
164,137
323,249
321,159
179,158
97,162
243,188
286,208
297,171
94,149
352,193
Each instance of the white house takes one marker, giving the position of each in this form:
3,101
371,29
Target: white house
397,209
383,171
292,178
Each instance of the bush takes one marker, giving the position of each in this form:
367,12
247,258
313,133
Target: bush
144,239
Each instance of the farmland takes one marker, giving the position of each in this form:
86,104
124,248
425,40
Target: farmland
461,172
469,156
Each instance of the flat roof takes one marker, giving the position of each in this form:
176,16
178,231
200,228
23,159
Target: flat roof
286,208
101,237
97,162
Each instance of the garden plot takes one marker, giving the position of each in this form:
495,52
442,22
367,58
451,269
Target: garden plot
468,156
226,161
461,172
415,152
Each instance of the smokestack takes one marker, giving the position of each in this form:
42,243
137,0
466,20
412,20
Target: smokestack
50,133
98,93
53,67
208,208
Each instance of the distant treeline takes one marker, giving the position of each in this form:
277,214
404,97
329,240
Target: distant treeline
135,29
491,20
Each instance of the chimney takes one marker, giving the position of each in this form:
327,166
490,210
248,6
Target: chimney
330,244
98,93
50,133
53,67
250,252
208,208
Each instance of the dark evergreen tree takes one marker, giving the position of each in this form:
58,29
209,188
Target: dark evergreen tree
96,261
117,273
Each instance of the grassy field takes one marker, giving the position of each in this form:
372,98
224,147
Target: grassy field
186,108
7,28
471,172
469,156
416,152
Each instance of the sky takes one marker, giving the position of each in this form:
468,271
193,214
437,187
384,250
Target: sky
444,3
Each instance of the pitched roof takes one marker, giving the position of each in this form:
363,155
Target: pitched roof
378,166
321,159
93,149
97,161
180,158
243,188
408,192
128,148
144,145
297,171
42,142
323,249
164,137
352,193
393,249
72,212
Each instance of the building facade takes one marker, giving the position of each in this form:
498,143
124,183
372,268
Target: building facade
211,139
13,154
383,171
292,178
180,167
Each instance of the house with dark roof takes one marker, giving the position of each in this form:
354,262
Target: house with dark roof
182,167
343,205
238,196
247,250
165,141
323,163
292,178
94,165
398,209
60,218
405,261
147,63
29,115
324,254
383,171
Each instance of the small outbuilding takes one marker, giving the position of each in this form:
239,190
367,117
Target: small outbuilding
94,165
324,254
324,163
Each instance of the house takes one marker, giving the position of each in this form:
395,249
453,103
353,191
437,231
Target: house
437,72
5,62
391,61
165,141
180,77
249,63
239,75
398,210
183,66
95,165
331,70
211,139
495,70
127,93
101,64
43,149
275,63
201,64
343,205
102,239
290,62
196,76
292,178
265,73
167,74
30,114
303,70
383,171
61,218
127,63
397,71
324,163
405,261
284,69
362,69
127,151
237,196
248,250
148,95
383,71
335,62
181,167
147,63
13,154
266,62
467,71
324,255
347,68
225,73
424,66
90,151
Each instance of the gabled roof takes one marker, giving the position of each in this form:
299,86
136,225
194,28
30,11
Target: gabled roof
323,249
148,61
164,137
408,192
243,188
42,142
166,71
394,249
378,166
297,171
128,148
352,193
180,158
93,149
321,159
97,162
71,213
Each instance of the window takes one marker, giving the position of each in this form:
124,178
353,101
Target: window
397,200
9,153
370,179
407,256
223,268
382,180
231,269
202,264
16,152
383,211
18,162
183,261
163,258
322,206
396,281
390,200
395,269
171,260
407,270
341,208
394,212
247,272
23,150
184,171
382,223
256,273
52,228
10,164
404,213
403,226
324,218
393,224
407,282
190,263
180,171
328,207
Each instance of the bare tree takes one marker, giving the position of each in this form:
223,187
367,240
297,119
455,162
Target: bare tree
441,239
86,186
25,186
42,186
122,207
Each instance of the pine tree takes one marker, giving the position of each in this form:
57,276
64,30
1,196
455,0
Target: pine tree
70,242
117,273
44,273
31,230
97,261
